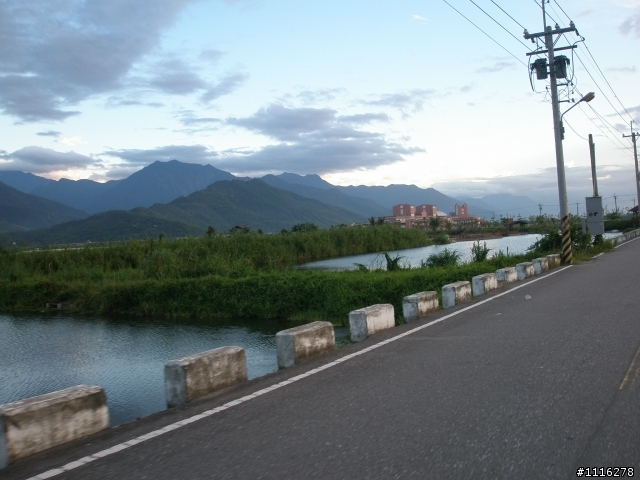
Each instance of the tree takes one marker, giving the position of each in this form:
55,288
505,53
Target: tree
434,223
304,227
210,231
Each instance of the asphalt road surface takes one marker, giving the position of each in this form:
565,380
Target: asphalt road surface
533,381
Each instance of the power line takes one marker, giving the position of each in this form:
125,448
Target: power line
508,14
545,12
595,63
600,88
501,26
565,13
489,36
605,79
574,131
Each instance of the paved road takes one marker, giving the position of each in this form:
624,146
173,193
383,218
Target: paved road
510,388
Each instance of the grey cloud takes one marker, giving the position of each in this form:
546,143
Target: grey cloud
627,69
175,77
309,97
286,123
496,67
56,53
364,118
44,160
211,55
631,25
311,141
317,156
408,100
226,86
183,153
49,133
542,186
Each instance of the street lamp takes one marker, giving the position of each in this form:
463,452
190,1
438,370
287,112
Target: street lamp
587,98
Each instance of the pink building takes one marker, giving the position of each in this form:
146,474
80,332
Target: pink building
404,210
461,211
426,211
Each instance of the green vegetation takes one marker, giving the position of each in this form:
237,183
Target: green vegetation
479,253
445,258
244,275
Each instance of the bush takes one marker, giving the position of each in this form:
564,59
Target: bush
479,253
446,258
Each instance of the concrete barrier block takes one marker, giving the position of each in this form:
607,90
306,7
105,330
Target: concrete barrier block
553,260
506,275
455,293
540,265
35,424
418,305
200,374
369,320
295,345
483,284
524,270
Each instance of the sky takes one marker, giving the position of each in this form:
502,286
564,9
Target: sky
361,92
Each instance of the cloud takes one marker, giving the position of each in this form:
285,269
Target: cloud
496,67
211,55
542,186
44,160
71,141
626,69
227,85
286,123
56,53
182,153
631,25
309,140
313,140
420,18
175,77
49,133
413,100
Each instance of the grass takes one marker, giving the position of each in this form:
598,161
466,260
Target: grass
244,276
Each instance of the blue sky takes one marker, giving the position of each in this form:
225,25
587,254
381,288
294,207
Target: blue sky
361,92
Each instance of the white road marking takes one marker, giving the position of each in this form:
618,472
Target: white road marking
156,433
628,241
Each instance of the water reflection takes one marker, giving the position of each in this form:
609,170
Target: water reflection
41,354
516,244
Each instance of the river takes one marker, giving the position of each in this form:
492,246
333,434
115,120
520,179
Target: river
44,353
515,244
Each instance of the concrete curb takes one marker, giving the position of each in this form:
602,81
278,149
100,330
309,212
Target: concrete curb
297,344
197,375
38,423
369,320
455,293
419,305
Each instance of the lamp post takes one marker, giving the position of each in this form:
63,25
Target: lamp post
562,184
587,98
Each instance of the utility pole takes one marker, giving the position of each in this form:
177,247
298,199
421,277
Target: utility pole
633,136
548,35
540,208
596,197
615,199
577,210
594,177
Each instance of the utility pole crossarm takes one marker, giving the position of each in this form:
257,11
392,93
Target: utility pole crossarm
557,31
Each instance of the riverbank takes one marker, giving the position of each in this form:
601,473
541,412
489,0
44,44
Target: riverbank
301,295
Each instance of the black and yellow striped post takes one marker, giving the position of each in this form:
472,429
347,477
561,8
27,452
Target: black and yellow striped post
567,256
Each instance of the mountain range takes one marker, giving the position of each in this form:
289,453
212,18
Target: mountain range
180,199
